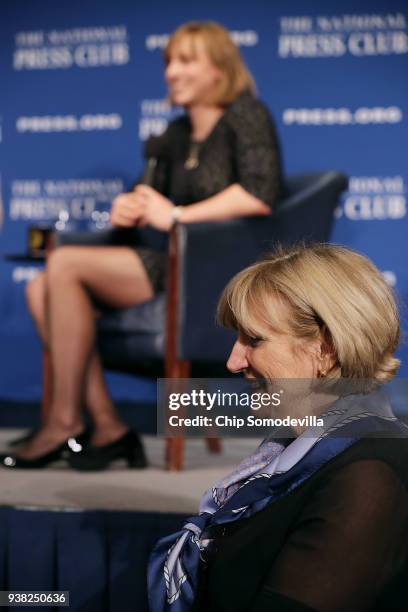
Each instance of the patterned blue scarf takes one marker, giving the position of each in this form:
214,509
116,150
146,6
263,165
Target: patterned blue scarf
270,473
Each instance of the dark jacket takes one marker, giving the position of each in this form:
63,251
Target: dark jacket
339,542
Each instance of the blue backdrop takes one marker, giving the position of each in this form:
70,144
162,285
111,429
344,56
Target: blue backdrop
82,86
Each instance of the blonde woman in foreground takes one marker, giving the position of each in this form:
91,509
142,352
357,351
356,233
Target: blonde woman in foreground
317,520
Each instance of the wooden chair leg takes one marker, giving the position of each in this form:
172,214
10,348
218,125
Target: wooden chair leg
174,454
176,368
214,445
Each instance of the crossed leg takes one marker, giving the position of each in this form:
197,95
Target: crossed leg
61,304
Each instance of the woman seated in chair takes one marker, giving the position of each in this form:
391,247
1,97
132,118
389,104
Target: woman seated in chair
221,161
316,521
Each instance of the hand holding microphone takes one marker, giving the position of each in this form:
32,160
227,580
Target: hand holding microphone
144,205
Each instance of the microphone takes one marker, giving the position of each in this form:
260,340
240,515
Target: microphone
155,149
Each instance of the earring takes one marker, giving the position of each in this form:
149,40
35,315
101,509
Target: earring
322,371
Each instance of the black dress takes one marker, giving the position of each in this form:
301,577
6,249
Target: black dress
337,543
242,148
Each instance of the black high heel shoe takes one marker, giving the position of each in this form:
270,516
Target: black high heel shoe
63,451
93,458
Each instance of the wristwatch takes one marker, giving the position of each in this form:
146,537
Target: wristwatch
175,215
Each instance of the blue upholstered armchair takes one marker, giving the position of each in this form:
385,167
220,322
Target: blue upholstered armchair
179,328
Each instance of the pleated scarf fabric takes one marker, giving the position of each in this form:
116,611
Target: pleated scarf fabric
267,475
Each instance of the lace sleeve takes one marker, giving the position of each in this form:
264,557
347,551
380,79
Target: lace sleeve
257,151
348,544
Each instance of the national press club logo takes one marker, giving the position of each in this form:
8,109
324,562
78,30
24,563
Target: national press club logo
63,201
154,117
338,35
374,198
90,47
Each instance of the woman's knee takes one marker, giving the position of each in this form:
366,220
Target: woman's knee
65,260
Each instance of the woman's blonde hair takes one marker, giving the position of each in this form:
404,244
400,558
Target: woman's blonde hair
222,52
330,290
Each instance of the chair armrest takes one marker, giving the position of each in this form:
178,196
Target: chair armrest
303,187
108,237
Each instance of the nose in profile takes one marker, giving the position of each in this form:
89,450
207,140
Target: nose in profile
237,360
171,70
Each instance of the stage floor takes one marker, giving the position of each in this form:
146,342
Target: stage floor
119,488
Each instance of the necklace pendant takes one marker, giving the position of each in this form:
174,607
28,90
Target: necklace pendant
191,163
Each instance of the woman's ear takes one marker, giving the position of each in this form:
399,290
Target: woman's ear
327,353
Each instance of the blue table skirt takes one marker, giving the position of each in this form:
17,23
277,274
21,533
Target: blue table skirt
98,556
